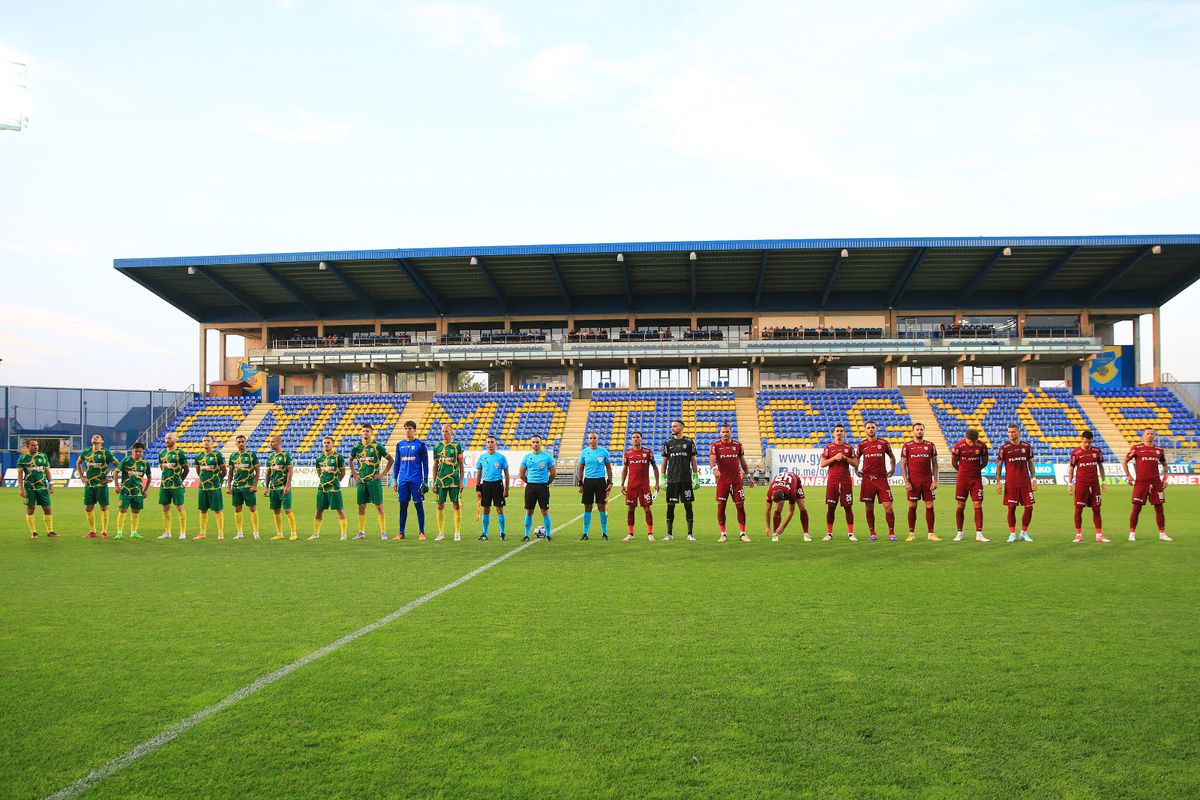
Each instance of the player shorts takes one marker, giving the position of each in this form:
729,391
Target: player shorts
170,497
1147,491
731,490
210,500
537,494
127,502
409,490
95,496
1087,495
595,490
1018,494
329,501
875,488
280,500
370,490
37,497
244,497
448,493
968,489
680,492
840,493
491,493
921,490
638,496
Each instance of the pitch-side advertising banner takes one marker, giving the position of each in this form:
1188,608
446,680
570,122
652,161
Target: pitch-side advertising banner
806,463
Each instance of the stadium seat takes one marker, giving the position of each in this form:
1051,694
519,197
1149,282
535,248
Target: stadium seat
305,420
1050,419
805,418
614,415
1134,409
512,417
218,416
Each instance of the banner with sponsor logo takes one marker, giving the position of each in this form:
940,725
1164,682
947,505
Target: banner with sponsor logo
471,460
806,464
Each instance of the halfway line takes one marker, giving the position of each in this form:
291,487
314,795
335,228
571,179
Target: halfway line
183,726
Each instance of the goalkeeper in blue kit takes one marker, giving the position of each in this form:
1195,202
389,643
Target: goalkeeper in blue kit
411,477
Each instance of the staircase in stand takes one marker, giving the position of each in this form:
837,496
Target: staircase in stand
748,431
248,426
1107,429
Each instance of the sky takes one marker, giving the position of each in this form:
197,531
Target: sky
167,129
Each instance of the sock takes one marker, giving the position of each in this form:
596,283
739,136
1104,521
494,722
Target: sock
804,519
604,523
237,519
587,522
850,518
381,518
91,518
182,518
120,521
458,520
487,523
500,519
167,519
721,515
528,524
204,522
629,517
1160,516
1133,517
687,510
254,519
549,525
1078,519
912,518
670,518
830,515
979,519
291,520
960,516
48,519
889,516
133,521
776,520
741,517
870,509
278,523
316,526
404,516
420,507
343,524
439,515
104,519
649,522
1012,519
31,523
220,515
929,518
1026,518
362,521
1096,520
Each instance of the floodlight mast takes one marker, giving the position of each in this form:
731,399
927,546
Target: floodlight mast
14,96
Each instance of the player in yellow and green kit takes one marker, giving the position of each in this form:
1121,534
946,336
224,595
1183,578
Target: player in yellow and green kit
279,488
94,468
173,462
448,481
365,460
243,485
133,481
210,468
331,468
33,478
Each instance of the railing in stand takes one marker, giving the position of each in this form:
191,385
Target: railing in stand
1170,382
160,422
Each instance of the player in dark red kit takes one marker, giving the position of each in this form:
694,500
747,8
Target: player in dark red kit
840,459
1085,480
968,458
918,465
728,464
877,463
635,484
785,488
1016,459
1150,463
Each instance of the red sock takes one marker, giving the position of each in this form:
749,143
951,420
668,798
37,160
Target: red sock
1026,518
741,517
804,519
721,515
929,518
850,518
776,519
912,517
1096,519
649,521
890,517
1012,519
960,516
629,517
1133,516
830,512
1160,516
1078,518
979,518
871,518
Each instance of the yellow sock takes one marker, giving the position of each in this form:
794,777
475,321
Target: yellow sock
91,515
220,523
104,520
133,519
316,526
458,519
279,523
49,520
441,520
382,521
254,519
342,524
31,523
237,519
166,519
204,522
362,522
182,519
120,521
292,527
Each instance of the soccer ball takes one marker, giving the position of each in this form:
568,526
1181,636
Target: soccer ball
539,531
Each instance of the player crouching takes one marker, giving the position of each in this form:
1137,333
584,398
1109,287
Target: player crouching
785,488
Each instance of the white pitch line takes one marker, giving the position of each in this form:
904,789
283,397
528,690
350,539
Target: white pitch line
183,726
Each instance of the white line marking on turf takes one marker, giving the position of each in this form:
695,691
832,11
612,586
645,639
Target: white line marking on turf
183,726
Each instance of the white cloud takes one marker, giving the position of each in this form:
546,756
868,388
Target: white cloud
555,73
302,128
64,333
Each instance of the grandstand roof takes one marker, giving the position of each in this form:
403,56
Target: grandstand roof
1042,272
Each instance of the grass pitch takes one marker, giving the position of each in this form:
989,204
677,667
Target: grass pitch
603,669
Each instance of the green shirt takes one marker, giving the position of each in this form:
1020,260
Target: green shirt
329,472
37,471
98,463
277,469
369,457
245,469
447,456
209,465
131,474
173,464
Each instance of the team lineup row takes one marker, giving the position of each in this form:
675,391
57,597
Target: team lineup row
872,460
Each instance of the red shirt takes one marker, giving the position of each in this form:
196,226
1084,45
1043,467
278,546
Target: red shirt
1086,461
873,455
1146,458
637,466
920,457
728,458
788,483
1017,460
972,458
839,470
